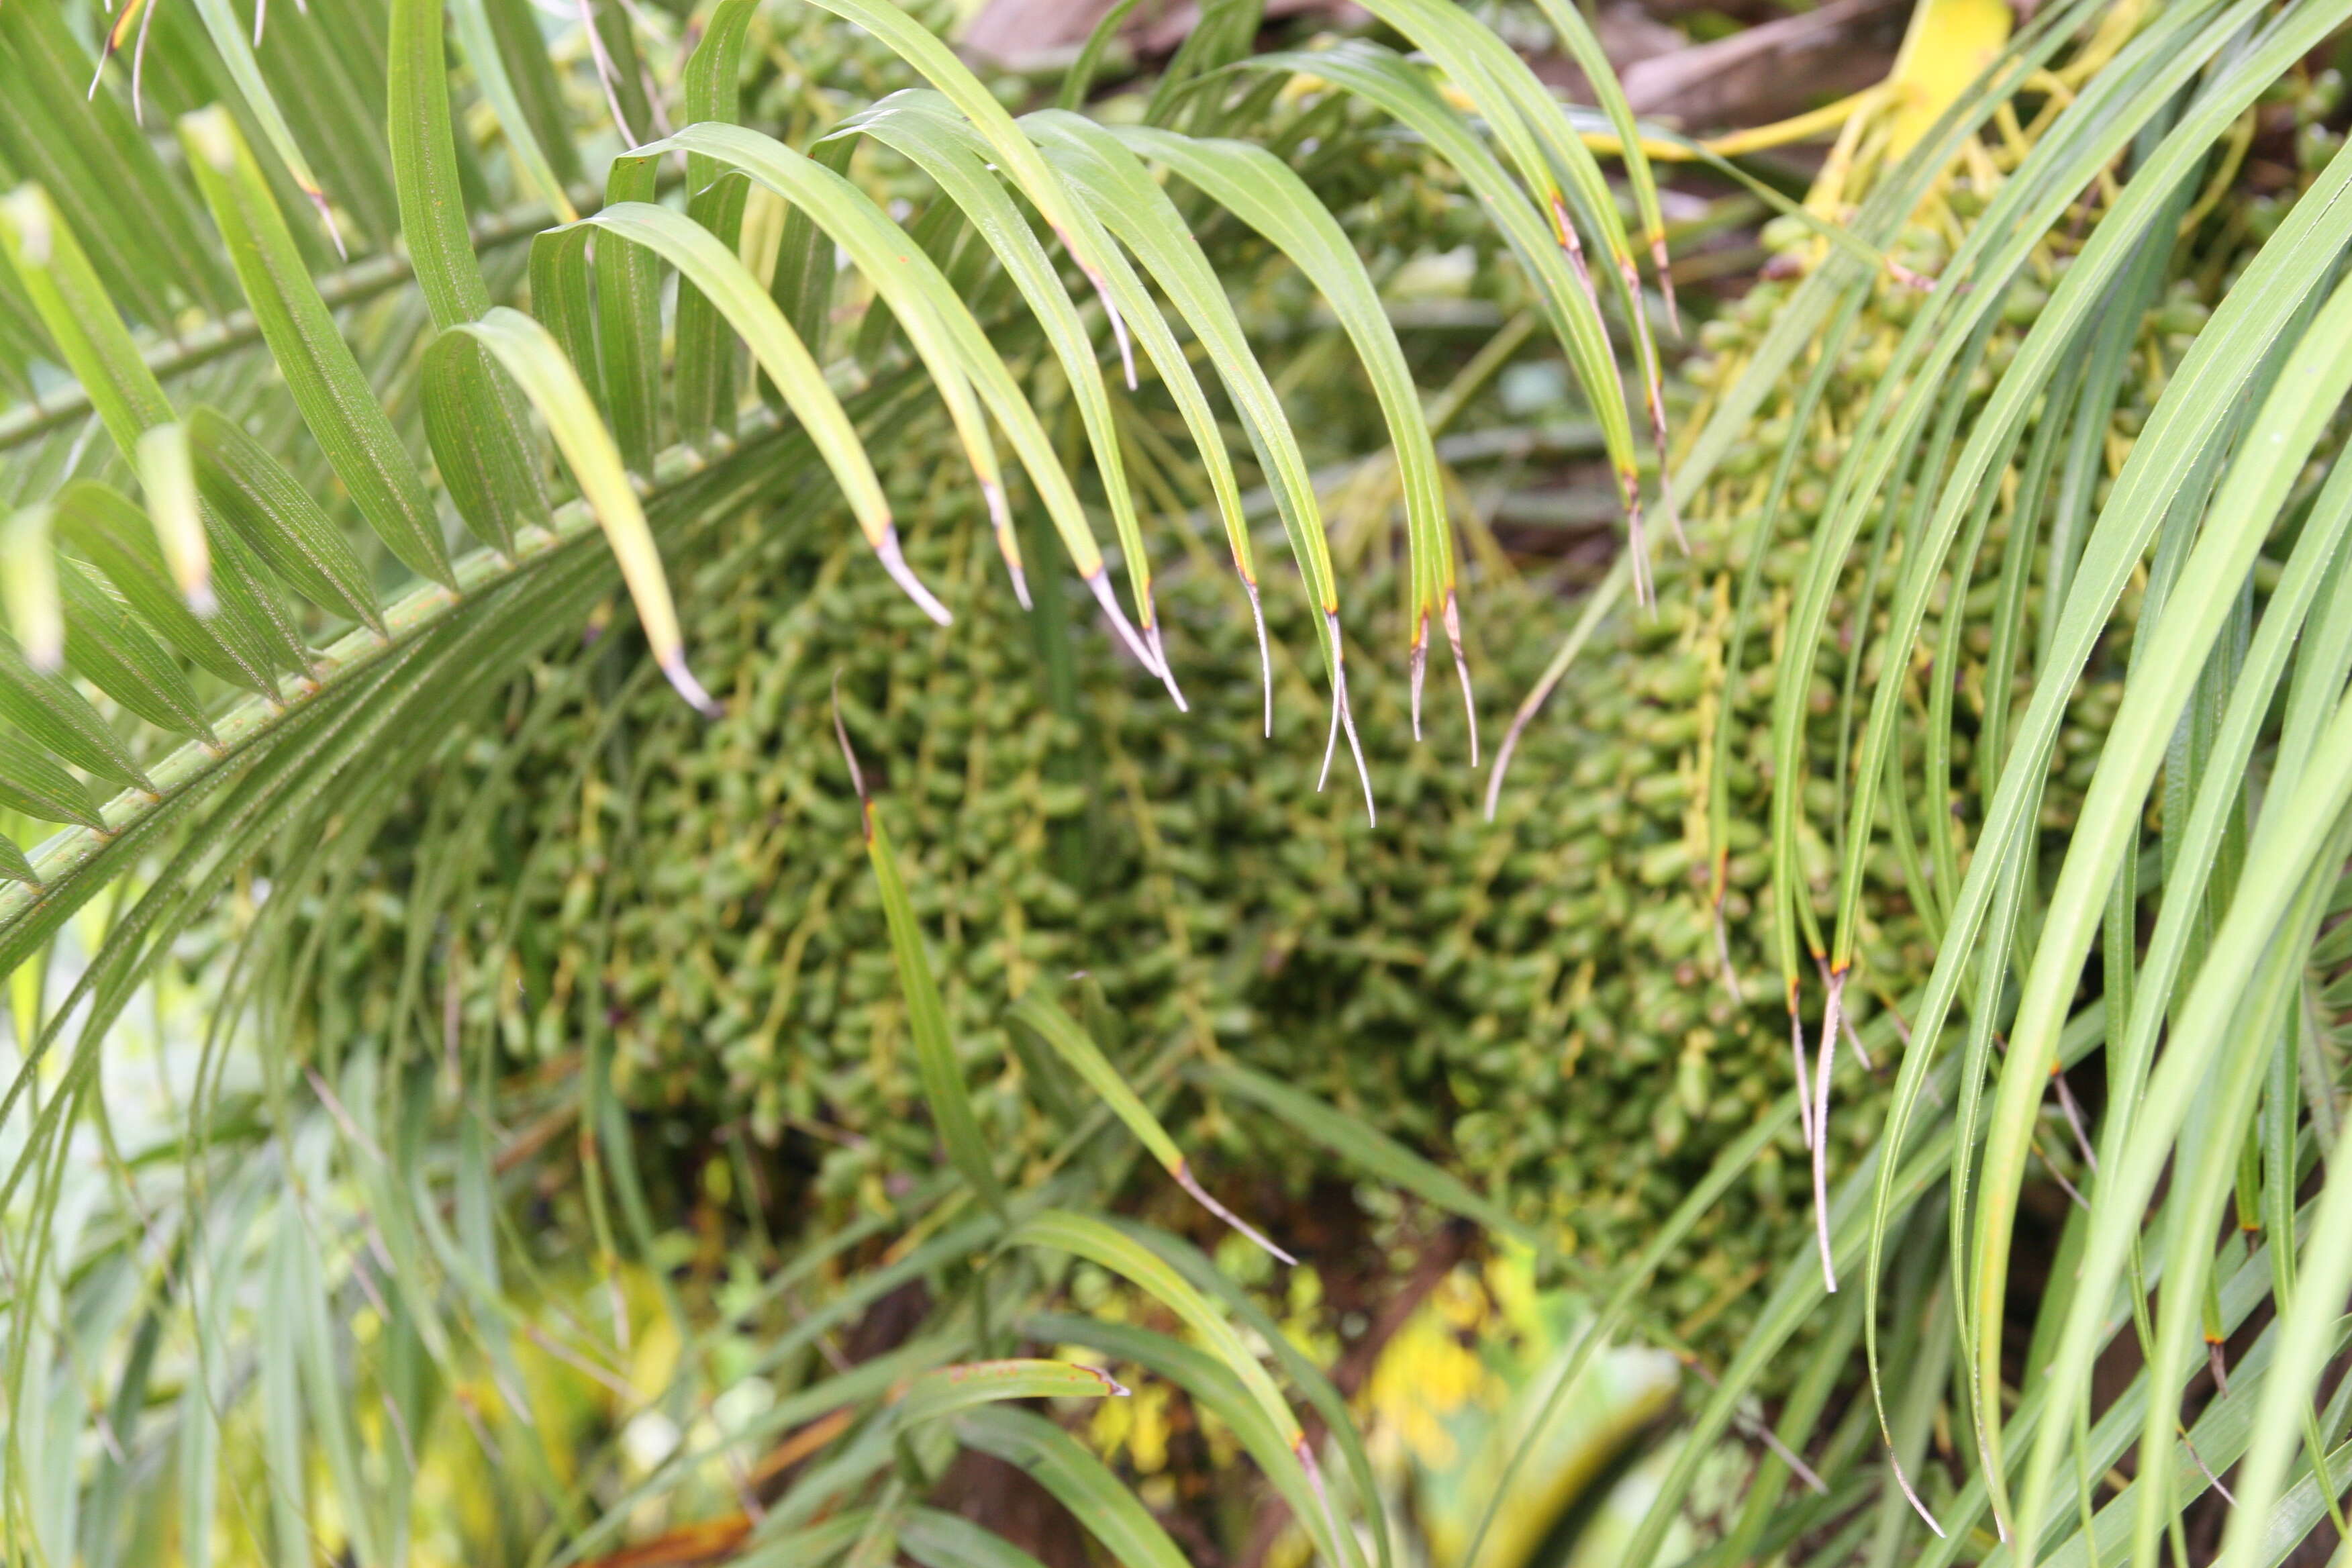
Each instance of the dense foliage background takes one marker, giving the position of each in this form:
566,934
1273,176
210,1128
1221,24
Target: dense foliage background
1496,785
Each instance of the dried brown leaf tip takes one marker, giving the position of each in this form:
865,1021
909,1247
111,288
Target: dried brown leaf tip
849,755
1182,1172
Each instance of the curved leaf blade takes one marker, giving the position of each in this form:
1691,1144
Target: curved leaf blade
1079,1481
479,434
926,1018
728,288
946,1390
538,365
1039,1015
333,394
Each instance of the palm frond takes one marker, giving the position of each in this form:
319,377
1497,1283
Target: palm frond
264,649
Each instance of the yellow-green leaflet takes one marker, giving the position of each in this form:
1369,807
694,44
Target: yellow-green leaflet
1310,1380
1124,199
337,403
1079,1482
1523,115
538,365
82,322
1015,152
938,1540
728,285
1577,35
31,782
944,1390
1204,1379
106,647
2271,455
28,586
46,707
705,383
479,430
113,535
629,326
924,126
228,37
168,476
2221,358
1040,1016
425,166
1084,1236
563,300
1385,79
900,273
1380,1155
1262,192
479,40
959,352
2308,1337
89,151
1129,202
926,1018
1077,1050
943,1083
921,126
